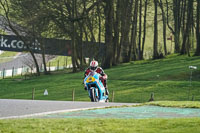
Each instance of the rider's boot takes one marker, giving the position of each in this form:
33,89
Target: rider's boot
106,87
107,92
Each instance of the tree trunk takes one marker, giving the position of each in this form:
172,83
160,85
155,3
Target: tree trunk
108,33
155,45
132,48
140,31
126,9
80,43
116,32
183,16
73,38
126,29
177,24
43,57
99,21
198,29
171,29
144,30
164,26
185,47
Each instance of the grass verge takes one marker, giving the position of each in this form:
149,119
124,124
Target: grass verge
183,125
60,61
180,104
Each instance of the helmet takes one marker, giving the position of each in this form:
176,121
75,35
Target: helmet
93,65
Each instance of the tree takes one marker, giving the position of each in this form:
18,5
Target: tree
198,29
72,19
183,14
21,32
73,44
155,43
140,30
99,13
116,45
132,46
164,26
177,22
144,29
125,28
107,62
185,45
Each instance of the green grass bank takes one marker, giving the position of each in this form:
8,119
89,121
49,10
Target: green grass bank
168,79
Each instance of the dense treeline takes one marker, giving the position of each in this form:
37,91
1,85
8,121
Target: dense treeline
124,25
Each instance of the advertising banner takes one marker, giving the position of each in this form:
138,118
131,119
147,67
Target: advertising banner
49,46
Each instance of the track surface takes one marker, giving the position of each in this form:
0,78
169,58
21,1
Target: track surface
20,61
26,108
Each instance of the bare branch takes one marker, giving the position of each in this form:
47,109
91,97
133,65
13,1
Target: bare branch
168,19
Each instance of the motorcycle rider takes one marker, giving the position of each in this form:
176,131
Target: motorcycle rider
95,68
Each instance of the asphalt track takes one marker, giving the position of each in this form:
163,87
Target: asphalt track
11,108
19,61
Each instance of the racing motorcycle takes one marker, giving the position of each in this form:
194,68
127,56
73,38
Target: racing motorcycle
95,87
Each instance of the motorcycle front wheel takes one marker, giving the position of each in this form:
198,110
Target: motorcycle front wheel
93,96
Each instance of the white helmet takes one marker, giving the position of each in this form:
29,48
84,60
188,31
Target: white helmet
93,65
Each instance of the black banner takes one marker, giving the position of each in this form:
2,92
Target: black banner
50,46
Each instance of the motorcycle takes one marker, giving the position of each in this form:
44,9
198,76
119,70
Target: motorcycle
95,87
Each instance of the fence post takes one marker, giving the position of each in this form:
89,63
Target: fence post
66,62
31,71
49,66
3,73
33,93
22,70
113,96
73,94
13,71
58,65
193,98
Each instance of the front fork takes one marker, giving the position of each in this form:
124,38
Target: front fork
95,90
